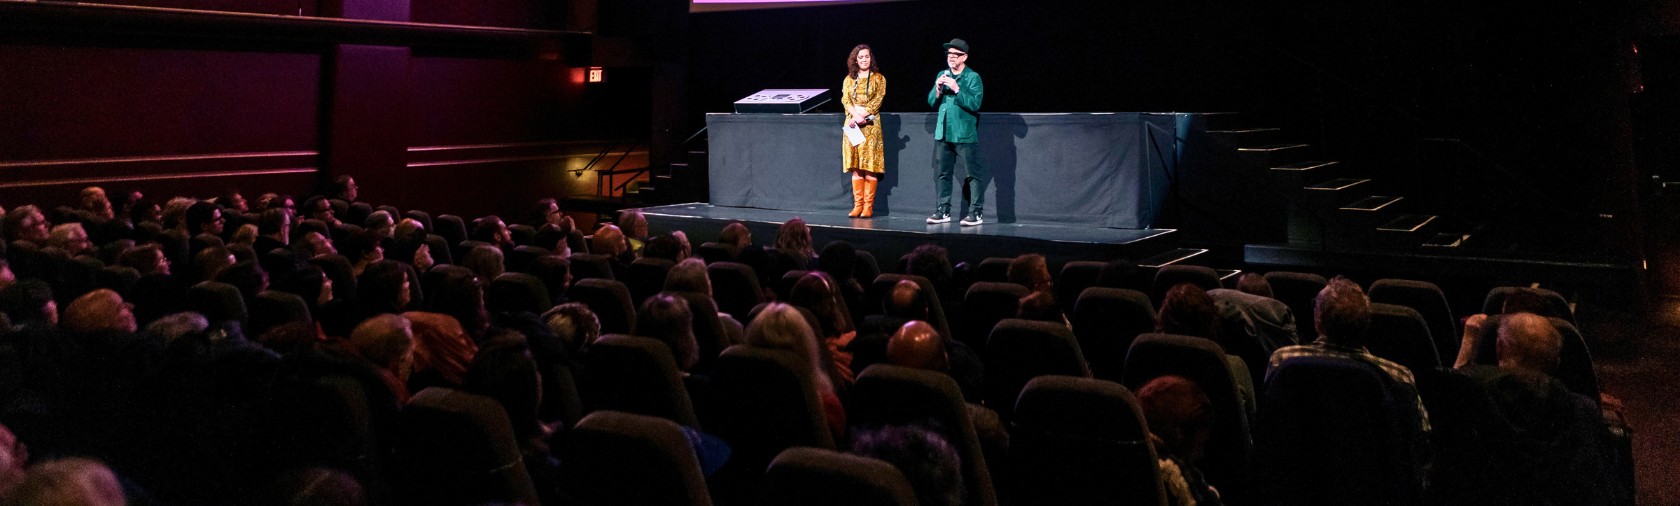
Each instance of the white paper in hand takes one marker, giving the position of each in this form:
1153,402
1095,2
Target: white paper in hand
853,135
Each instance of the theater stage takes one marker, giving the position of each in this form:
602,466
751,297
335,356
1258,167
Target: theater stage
889,237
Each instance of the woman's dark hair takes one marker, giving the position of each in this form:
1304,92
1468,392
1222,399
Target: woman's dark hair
817,292
460,294
304,281
662,246
26,301
248,277
929,462
380,288
1188,310
504,370
851,61
667,318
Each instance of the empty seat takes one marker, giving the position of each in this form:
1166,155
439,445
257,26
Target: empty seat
994,269
1299,290
637,375
887,394
1202,361
616,458
1106,320
1332,431
451,227
459,448
588,265
761,402
1075,277
646,277
272,308
713,252
217,301
735,288
784,285
818,477
610,301
1169,276
1398,333
1081,441
521,233
986,304
517,291
1020,350
438,246
1430,303
519,259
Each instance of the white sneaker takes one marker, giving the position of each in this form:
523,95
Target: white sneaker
939,217
971,220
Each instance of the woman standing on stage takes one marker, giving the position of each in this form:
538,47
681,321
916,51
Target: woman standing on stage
861,94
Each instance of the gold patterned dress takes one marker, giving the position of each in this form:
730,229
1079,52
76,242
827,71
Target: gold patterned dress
866,92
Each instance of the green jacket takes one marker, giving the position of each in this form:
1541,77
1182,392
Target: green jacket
959,114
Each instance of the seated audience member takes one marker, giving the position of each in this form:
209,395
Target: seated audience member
635,228
690,276
233,201
794,240
245,235
735,234
380,224
100,311
29,303
663,247
782,327
1179,415
248,277
14,457
609,240
903,304
26,223
1041,306
1342,315
553,238
461,295
486,261
315,486
816,292
493,231
1548,446
442,350
1254,283
839,260
927,459
178,325
361,249
94,201
385,342
343,188
575,325
931,261
384,288
1187,310
666,317
917,344
408,227
146,259
309,282
546,212
1262,318
7,277
144,211
77,481
71,238
205,218
505,371
314,245
319,209
685,248
1031,271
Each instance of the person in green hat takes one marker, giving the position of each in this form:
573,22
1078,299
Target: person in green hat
957,92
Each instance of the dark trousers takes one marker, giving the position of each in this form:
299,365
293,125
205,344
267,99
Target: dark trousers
945,156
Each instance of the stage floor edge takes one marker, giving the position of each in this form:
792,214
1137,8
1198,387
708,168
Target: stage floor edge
896,235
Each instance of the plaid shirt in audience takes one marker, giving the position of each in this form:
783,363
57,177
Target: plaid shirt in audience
1323,348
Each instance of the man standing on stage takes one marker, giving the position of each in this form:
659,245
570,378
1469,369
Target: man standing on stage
956,93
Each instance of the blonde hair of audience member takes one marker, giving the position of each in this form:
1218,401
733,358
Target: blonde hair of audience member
689,275
246,234
72,481
175,326
795,237
1528,341
736,234
93,199
387,341
917,344
99,310
70,237
782,327
485,261
13,457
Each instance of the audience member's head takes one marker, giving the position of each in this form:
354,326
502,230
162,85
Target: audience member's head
932,262
486,261
667,318
795,237
783,327
504,370
1178,412
545,212
245,235
838,259
387,342
178,325
384,287
315,244
906,300
319,209
361,248
233,201
101,310
918,345
575,325
633,223
29,302
1342,313
608,240
26,223
461,294
817,293
1188,310
93,200
204,218
71,238
663,247
1529,342
7,277
72,481
309,282
210,262
685,248
1030,271
343,188
929,462
408,227
14,456
275,224
689,276
247,276
146,258
145,211
1254,283
380,224
1041,306
491,230
736,234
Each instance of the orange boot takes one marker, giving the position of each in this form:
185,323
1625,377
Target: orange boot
868,205
857,197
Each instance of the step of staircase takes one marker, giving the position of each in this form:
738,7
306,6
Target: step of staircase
1170,257
1302,174
1248,136
1372,203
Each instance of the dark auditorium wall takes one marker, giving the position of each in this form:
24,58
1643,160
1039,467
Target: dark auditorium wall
481,109
1398,86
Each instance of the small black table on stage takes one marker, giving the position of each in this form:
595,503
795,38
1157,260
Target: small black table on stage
1096,169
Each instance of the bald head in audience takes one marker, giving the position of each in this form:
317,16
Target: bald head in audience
1528,341
100,310
608,240
906,300
918,345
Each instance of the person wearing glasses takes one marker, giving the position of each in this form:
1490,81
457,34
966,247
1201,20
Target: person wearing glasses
861,94
956,94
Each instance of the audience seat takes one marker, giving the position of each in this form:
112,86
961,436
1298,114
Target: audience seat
993,269
1399,333
459,448
1075,277
735,288
1575,365
986,304
438,246
761,402
636,375
1299,290
709,331
1081,441
645,277
1169,276
451,227
1018,351
1430,303
887,394
1106,320
713,252
1556,305
217,301
272,308
610,300
784,284
591,266
819,477
514,292
615,458
1202,361
1331,431
520,257
883,284
521,233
